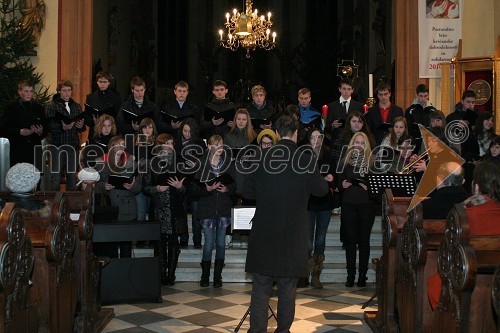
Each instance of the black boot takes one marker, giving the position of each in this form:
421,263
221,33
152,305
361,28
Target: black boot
219,265
205,273
164,261
173,258
362,280
316,264
350,281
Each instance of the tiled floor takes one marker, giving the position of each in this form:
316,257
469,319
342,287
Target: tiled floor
188,308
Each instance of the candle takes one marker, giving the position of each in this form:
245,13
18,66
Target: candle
370,85
230,38
324,111
274,37
269,16
227,17
365,107
268,31
220,33
235,11
262,18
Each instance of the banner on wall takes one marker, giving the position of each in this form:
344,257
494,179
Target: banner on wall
439,29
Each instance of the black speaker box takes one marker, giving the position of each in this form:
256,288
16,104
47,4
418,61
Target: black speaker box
129,280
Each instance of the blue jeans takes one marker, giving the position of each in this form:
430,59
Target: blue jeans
142,206
318,226
214,231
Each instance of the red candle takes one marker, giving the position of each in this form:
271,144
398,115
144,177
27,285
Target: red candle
324,111
365,107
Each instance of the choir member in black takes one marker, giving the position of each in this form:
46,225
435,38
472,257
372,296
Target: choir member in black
260,110
135,108
493,153
339,110
144,142
174,111
167,192
65,123
358,210
478,143
118,164
102,101
219,104
381,116
189,147
319,208
23,123
97,145
214,190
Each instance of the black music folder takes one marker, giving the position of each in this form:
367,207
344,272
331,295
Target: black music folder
67,119
97,113
224,179
130,117
118,180
228,115
385,126
256,123
169,117
162,178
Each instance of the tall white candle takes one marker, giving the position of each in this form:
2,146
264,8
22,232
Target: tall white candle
370,85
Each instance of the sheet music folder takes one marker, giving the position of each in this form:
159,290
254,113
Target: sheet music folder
241,218
402,185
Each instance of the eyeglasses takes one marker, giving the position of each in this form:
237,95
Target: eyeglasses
266,144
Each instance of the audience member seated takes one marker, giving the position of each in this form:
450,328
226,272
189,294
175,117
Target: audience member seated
486,195
449,191
21,180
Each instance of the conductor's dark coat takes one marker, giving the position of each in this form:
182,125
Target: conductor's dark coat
278,241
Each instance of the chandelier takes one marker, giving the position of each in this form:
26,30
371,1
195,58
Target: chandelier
248,30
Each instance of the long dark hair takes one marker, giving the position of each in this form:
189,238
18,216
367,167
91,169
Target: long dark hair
479,131
193,127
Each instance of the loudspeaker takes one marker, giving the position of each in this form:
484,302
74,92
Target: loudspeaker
128,280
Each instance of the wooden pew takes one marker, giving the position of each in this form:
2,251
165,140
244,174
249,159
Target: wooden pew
394,216
54,282
16,266
495,295
420,242
467,260
90,317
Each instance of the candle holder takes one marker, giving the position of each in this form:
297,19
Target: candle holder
370,101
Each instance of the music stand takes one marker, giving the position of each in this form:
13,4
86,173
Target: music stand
402,185
248,312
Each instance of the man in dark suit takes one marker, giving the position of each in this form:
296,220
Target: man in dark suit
341,108
281,184
380,117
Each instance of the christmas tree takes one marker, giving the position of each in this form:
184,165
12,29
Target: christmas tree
15,64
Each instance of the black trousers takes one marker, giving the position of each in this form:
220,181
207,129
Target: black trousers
357,220
261,292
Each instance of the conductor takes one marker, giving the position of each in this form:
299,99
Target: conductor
284,179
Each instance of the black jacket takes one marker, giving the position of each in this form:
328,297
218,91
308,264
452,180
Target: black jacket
336,111
213,204
442,201
148,108
172,109
373,119
278,241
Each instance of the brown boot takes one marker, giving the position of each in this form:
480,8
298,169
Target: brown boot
316,264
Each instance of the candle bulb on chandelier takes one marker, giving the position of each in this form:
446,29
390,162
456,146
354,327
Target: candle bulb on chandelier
267,33
274,37
262,18
230,38
269,16
220,33
227,17
235,11
370,85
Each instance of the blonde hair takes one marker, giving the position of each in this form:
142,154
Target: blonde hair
367,152
100,124
248,128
